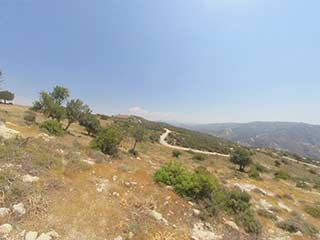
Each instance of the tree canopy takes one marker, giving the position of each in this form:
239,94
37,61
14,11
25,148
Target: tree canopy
6,96
241,157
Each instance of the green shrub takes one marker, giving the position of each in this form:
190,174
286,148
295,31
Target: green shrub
169,173
108,140
297,224
249,221
205,189
53,127
254,173
313,211
176,153
282,175
198,157
260,168
29,117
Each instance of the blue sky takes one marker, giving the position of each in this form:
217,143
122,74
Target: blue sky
178,60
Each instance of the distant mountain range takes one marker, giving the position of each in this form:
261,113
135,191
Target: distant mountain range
300,138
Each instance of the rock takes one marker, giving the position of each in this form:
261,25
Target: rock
114,178
264,204
231,224
19,209
4,212
157,216
7,133
285,207
53,234
31,236
115,194
88,161
131,235
196,212
29,179
102,185
5,229
203,231
249,188
44,236
118,238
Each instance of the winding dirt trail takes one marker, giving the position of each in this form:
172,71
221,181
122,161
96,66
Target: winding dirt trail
165,143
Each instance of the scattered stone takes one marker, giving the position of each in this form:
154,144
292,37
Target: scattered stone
53,234
118,238
116,194
114,178
158,216
131,235
29,179
191,203
102,185
4,212
44,236
285,207
31,236
264,204
88,161
19,209
5,229
203,231
196,212
231,224
249,188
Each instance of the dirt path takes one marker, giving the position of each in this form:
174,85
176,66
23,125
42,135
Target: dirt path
164,143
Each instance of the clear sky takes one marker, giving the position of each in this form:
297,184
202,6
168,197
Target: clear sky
180,60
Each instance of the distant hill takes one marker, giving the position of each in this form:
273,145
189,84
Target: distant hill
299,138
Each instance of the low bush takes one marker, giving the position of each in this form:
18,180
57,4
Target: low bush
282,175
176,153
77,165
313,210
29,117
297,224
254,173
206,190
53,127
198,157
108,140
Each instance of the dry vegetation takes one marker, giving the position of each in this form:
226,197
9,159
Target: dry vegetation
83,194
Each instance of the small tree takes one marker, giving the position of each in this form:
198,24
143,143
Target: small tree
108,140
138,137
59,94
242,158
75,110
6,96
91,123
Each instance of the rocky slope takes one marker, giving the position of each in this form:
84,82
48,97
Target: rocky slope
60,188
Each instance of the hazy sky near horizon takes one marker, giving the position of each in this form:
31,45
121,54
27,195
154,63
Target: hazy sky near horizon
194,61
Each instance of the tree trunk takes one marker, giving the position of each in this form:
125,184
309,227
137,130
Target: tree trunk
134,146
68,125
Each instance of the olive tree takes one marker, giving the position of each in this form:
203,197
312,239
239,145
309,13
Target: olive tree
241,157
75,110
6,96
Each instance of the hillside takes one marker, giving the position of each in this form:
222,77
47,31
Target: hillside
61,188
299,138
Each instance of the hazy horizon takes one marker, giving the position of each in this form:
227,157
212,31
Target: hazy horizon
176,61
